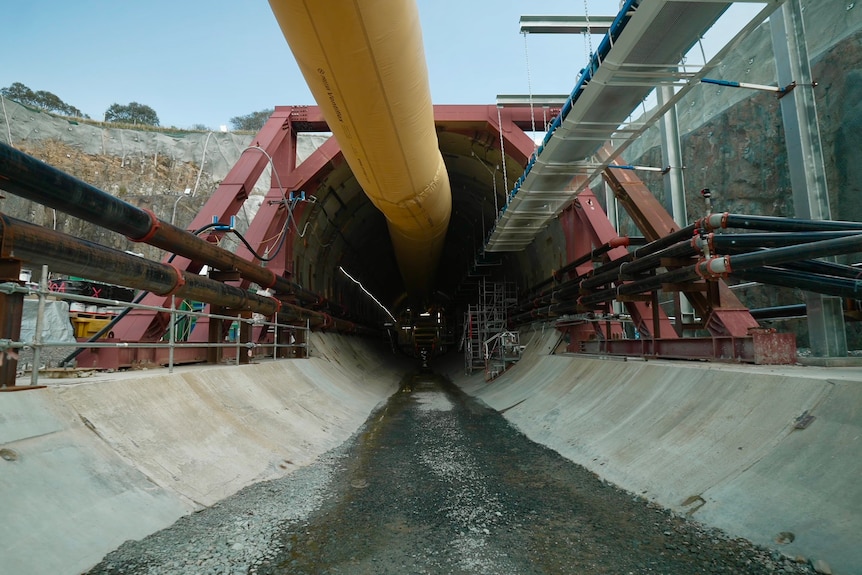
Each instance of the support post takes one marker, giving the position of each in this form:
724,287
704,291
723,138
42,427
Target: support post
216,334
805,160
674,188
244,336
11,310
37,333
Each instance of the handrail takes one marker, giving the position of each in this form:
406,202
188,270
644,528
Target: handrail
43,294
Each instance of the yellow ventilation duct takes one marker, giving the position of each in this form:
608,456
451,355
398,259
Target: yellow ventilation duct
365,65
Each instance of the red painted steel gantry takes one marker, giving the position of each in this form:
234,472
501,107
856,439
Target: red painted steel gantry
597,259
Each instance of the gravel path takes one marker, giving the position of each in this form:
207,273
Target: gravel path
436,484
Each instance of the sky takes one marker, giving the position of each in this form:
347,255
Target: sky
203,62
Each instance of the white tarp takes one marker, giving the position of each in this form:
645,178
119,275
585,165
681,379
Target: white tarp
56,327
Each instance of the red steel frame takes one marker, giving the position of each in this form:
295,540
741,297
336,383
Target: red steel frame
584,225
735,334
278,140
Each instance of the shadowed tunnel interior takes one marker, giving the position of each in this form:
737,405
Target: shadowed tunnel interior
344,229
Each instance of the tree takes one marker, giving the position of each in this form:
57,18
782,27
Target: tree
42,100
19,92
48,101
252,122
132,113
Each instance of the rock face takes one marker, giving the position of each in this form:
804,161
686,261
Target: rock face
148,169
733,140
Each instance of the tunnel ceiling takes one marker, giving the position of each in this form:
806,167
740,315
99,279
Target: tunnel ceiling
345,229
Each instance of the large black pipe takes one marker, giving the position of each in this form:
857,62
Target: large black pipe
721,266
25,176
828,285
685,233
773,224
723,243
826,268
640,264
67,255
590,256
780,311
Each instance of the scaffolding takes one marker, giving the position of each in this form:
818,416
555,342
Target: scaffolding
485,320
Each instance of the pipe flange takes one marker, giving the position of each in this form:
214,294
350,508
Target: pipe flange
620,242
713,268
277,304
181,281
155,224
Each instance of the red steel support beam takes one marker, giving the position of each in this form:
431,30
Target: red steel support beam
11,310
724,313
648,318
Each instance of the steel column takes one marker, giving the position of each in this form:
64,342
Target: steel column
674,185
11,311
805,160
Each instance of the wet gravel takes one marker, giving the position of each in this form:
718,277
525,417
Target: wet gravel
435,483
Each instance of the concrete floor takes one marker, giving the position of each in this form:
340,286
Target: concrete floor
91,463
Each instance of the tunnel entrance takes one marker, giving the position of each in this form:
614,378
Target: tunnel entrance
436,483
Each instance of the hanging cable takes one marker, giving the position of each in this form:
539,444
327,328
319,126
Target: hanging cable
494,180
530,92
503,154
203,161
287,203
369,294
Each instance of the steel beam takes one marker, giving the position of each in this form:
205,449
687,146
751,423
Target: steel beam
559,24
827,336
11,311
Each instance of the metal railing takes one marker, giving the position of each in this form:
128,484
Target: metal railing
43,294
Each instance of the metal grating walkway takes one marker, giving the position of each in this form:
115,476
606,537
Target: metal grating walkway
642,50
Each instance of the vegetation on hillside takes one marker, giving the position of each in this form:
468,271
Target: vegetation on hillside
132,113
252,122
40,99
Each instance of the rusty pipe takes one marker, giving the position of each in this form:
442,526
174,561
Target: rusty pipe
68,255
25,176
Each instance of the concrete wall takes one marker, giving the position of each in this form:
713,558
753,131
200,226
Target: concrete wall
716,441
87,466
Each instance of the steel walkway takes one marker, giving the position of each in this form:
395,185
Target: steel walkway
643,49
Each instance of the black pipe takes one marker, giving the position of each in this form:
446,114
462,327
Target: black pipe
68,255
680,236
827,285
775,224
722,243
599,251
775,256
820,267
642,264
826,268
25,176
33,179
780,311
719,266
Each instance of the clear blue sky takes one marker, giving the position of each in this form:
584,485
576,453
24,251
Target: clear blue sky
207,61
